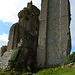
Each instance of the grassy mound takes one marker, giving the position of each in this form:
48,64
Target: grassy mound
57,71
51,71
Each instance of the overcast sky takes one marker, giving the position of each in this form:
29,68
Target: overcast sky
8,15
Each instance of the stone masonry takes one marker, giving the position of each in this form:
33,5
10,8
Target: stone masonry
28,23
54,33
52,46
23,35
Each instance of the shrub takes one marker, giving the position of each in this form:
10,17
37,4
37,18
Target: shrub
70,59
17,73
28,73
14,55
12,61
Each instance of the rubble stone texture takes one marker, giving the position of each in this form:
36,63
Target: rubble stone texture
28,23
54,41
24,34
26,30
4,59
54,33
3,50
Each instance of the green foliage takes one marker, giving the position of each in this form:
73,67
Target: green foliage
10,73
57,71
17,73
50,71
14,55
28,73
4,73
4,70
70,59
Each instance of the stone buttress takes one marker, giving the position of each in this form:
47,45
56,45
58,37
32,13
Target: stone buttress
54,33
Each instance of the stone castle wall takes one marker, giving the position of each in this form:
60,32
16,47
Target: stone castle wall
54,33
52,46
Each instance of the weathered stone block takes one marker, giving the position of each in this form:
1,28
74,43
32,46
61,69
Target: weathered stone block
55,39
24,35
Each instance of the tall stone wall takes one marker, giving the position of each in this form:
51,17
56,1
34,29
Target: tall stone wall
41,51
23,35
28,23
13,36
54,34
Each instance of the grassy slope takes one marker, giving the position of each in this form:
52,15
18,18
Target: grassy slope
51,71
57,71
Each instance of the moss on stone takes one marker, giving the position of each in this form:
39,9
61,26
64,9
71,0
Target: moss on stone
14,55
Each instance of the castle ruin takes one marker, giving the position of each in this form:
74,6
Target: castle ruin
44,41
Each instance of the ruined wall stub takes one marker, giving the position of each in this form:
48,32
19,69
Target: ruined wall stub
41,51
28,23
54,34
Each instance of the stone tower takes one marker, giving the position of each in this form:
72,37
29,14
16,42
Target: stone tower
54,33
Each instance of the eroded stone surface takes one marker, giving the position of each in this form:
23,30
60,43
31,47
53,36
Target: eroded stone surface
24,34
3,50
54,33
28,23
4,59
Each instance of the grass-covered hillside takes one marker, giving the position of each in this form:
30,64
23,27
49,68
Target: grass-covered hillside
51,71
57,71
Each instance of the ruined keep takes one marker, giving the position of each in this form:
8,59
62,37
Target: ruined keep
39,41
23,40
54,33
28,24
24,34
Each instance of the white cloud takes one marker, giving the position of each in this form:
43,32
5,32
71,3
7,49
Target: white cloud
3,39
8,13
10,8
72,26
